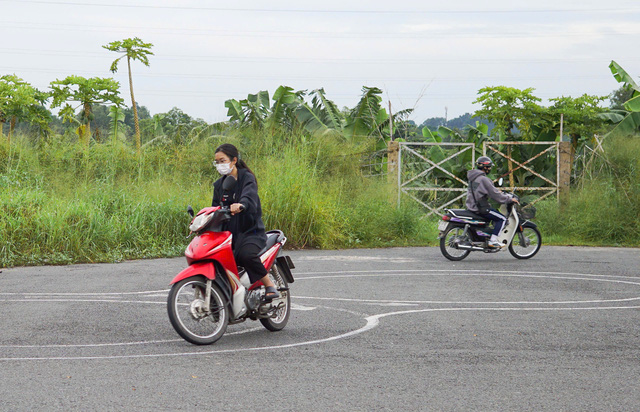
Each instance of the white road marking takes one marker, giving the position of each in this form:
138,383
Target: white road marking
372,321
300,307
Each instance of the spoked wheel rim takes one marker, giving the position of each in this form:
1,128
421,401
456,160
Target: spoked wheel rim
279,321
447,244
193,320
526,244
282,313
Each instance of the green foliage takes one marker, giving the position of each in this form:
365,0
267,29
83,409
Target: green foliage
117,118
509,108
581,117
604,208
626,121
63,203
290,112
133,49
20,101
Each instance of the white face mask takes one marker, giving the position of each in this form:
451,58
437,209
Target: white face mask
224,168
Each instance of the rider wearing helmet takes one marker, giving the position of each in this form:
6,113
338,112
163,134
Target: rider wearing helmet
481,188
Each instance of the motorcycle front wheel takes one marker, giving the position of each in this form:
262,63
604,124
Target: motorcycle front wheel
447,241
526,244
188,313
281,316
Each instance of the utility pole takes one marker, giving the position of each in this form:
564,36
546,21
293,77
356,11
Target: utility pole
390,122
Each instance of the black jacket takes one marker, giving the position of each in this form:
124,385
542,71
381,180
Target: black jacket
246,226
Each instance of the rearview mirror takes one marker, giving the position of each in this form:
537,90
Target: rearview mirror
190,211
229,183
500,181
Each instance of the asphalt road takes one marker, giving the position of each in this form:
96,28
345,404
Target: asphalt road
384,329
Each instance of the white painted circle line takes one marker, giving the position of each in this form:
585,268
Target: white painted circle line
371,322
300,276
99,345
533,275
38,294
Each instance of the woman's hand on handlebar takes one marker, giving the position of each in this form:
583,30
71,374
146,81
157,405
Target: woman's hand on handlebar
236,208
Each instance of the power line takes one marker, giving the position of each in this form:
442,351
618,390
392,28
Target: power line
289,78
310,60
326,11
321,34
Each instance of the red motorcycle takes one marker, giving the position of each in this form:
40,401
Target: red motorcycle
214,292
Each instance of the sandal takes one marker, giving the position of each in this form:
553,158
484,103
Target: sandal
271,293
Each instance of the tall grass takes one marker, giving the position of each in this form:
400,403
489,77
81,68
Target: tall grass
604,207
62,203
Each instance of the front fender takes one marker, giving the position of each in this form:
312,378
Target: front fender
206,269
529,223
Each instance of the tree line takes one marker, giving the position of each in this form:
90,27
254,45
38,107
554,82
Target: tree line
95,110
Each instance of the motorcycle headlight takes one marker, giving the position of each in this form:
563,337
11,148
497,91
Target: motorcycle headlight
200,221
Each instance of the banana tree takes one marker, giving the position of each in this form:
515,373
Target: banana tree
367,117
322,116
626,121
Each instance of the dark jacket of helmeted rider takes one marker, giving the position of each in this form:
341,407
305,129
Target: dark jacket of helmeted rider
480,189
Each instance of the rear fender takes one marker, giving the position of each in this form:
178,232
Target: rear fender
285,265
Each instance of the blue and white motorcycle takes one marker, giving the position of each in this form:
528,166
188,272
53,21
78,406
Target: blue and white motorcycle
462,232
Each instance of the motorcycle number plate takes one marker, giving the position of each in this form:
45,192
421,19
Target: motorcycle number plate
442,226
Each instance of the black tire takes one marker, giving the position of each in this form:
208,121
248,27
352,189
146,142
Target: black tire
185,306
446,247
532,242
282,315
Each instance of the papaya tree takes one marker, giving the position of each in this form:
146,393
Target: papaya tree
19,101
116,125
85,92
511,110
581,120
132,49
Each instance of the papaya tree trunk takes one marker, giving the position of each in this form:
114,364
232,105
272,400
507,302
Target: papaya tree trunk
87,130
135,108
12,127
3,120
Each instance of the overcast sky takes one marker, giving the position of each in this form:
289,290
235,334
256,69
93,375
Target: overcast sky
427,55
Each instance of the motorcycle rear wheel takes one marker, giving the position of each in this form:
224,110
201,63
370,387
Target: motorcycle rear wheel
188,315
526,244
281,318
446,244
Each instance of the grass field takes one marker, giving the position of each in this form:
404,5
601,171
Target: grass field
61,203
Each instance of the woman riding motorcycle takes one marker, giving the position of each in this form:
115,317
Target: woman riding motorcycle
246,226
480,189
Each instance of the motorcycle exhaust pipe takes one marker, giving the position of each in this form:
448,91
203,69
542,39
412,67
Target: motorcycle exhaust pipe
470,247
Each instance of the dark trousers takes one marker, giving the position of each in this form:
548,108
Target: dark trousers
247,256
498,219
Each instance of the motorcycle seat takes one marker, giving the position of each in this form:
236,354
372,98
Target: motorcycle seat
273,236
468,215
